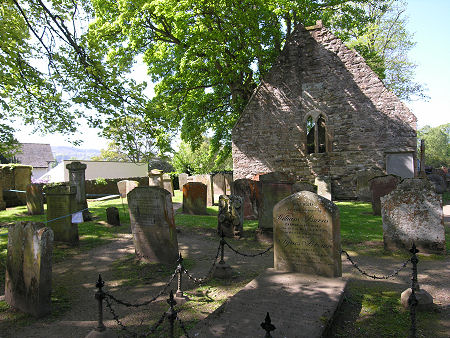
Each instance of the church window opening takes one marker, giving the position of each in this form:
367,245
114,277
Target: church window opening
310,135
321,135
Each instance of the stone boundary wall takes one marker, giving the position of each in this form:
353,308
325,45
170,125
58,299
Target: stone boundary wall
14,177
92,187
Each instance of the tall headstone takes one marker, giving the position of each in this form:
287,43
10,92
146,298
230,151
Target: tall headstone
206,180
61,204
231,216
182,179
28,282
77,178
153,225
249,190
155,178
35,199
323,184
274,187
168,184
22,177
381,186
194,198
413,213
362,183
307,235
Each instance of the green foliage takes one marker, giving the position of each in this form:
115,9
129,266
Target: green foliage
202,160
111,153
437,145
100,181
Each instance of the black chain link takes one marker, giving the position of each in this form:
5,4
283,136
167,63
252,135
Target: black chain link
208,275
248,255
395,273
146,302
156,325
182,326
118,321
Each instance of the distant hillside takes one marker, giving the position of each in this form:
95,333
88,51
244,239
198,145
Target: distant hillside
70,153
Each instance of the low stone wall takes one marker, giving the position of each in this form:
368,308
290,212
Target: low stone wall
94,187
14,177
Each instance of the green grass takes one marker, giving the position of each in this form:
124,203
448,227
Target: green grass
446,198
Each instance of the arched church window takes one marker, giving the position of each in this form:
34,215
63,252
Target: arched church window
310,135
321,135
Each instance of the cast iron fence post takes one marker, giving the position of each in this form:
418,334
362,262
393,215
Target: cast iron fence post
222,245
412,301
100,295
171,314
179,292
267,326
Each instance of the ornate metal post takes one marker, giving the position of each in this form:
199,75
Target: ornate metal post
171,314
99,295
179,292
412,301
268,326
222,244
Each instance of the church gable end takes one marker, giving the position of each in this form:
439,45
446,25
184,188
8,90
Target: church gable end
321,111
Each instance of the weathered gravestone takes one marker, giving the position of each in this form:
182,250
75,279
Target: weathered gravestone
125,186
153,225
381,186
304,186
231,216
249,190
194,198
112,216
77,178
323,184
35,199
206,180
362,183
182,180
28,282
218,182
61,204
167,183
2,201
438,183
413,213
155,178
307,236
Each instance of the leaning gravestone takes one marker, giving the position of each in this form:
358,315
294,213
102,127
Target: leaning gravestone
77,178
112,216
61,204
249,191
381,186
307,236
28,282
413,213
35,199
153,225
231,216
194,198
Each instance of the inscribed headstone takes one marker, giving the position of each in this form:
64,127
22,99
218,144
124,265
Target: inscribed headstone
323,184
182,179
194,198
167,183
35,199
249,190
400,164
413,213
112,216
61,204
153,225
77,178
155,178
307,235
381,186
206,180
231,216
362,183
28,282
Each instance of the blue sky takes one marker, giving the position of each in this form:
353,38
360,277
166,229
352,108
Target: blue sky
429,21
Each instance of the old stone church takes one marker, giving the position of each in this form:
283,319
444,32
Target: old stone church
322,112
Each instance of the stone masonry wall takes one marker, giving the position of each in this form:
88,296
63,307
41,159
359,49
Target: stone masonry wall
317,74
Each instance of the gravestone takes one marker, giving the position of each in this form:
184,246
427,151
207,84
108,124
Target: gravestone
249,190
362,183
381,186
22,177
112,216
413,213
2,201
194,198
122,187
231,216
304,186
153,225
400,164
167,183
61,204
28,281
182,179
155,178
274,187
228,181
307,235
218,182
323,184
206,180
77,178
35,199
438,183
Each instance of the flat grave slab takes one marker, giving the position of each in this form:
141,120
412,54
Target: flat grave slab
300,305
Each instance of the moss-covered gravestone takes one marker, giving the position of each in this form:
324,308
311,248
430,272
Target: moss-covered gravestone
153,224
2,202
77,178
307,235
194,198
28,282
35,199
231,216
61,203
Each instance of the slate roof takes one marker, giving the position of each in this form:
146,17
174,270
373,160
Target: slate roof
37,155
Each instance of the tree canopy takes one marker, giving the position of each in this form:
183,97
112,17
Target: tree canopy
437,144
